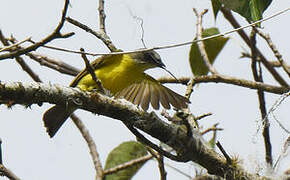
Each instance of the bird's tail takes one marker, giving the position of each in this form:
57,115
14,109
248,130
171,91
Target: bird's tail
55,117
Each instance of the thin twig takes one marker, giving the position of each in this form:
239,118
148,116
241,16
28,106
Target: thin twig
162,171
54,35
272,63
174,45
231,80
271,111
27,69
261,97
274,107
211,129
55,64
189,88
228,158
102,16
200,44
10,47
280,124
92,146
144,140
160,161
202,116
128,164
167,79
283,152
179,171
90,69
19,60
228,15
99,34
275,50
6,172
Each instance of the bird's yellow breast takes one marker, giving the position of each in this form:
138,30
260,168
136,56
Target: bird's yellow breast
116,73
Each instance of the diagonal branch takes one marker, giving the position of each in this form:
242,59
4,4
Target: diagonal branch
275,51
128,164
100,35
54,35
92,146
6,172
228,15
20,60
10,47
55,64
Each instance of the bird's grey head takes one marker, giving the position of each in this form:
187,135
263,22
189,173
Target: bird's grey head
151,58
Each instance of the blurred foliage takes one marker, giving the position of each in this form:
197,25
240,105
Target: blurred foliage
123,153
252,10
212,47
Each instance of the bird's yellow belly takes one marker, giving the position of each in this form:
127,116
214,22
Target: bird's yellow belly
116,81
114,77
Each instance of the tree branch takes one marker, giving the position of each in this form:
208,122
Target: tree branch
228,15
99,34
54,64
92,146
6,172
189,148
54,35
3,170
230,80
128,164
200,44
102,16
272,63
12,46
19,60
159,158
275,51
261,97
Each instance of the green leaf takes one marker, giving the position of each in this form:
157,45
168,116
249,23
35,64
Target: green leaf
239,6
252,10
257,7
212,47
123,153
216,6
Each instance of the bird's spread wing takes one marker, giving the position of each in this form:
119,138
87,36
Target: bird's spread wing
151,91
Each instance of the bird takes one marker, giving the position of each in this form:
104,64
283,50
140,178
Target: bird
123,76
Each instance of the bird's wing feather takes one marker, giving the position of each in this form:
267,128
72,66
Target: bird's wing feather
151,91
